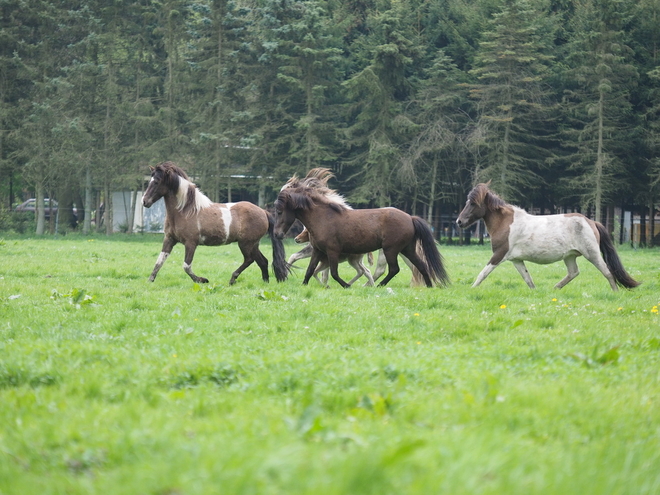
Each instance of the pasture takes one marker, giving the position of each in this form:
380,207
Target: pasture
110,384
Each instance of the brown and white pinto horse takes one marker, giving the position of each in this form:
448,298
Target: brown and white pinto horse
336,230
517,236
193,219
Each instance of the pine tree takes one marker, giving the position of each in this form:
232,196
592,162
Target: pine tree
513,100
598,104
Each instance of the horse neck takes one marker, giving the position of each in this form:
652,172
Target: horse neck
314,217
498,218
171,204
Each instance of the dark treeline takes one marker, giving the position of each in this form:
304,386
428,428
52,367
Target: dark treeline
409,102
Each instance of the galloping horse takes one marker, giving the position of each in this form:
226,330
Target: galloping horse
334,229
192,219
318,178
517,236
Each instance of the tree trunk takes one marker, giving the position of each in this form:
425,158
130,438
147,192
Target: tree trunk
39,208
642,226
434,176
108,209
652,222
87,222
599,160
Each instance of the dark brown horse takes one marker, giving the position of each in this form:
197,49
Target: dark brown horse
517,236
193,219
335,230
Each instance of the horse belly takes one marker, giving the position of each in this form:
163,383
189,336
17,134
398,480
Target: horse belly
541,240
213,226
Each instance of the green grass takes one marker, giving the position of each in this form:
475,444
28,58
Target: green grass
110,384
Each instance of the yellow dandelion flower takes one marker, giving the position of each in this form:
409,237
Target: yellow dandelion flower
503,306
654,309
418,343
416,314
619,308
554,299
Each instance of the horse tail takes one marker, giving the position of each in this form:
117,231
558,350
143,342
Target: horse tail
613,261
424,237
280,266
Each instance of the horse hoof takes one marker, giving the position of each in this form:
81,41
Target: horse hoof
203,280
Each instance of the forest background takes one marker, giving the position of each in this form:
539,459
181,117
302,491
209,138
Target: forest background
409,102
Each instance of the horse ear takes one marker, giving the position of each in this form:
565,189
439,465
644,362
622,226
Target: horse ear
488,183
151,168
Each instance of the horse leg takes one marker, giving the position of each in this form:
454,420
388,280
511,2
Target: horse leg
356,262
333,261
168,244
367,273
187,264
313,263
261,261
573,271
381,263
393,267
420,265
484,273
322,270
522,269
599,263
305,252
247,261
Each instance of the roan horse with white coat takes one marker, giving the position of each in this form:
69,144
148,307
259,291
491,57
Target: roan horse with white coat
517,236
192,219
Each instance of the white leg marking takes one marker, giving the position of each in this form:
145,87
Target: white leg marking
484,273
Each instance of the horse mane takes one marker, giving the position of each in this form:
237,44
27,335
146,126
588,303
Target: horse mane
481,195
317,180
189,197
304,197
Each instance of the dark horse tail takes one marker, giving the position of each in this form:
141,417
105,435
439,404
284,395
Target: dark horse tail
280,266
613,261
432,256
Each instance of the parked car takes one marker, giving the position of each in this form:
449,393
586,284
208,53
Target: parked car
31,206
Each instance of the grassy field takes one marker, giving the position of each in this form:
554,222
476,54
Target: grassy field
113,385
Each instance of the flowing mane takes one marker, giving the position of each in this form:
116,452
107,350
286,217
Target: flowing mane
481,195
188,196
304,197
316,180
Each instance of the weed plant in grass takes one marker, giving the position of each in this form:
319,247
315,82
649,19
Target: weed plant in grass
110,384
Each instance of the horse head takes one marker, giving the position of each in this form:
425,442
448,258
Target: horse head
164,177
479,202
289,202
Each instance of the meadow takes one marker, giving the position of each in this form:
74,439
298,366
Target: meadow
110,384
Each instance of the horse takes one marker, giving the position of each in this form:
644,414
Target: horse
318,178
335,229
517,236
192,219
355,260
